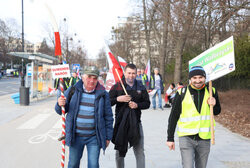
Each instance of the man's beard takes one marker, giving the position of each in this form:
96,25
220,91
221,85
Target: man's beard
130,81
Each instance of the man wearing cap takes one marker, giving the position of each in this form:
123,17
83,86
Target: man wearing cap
89,120
191,111
73,79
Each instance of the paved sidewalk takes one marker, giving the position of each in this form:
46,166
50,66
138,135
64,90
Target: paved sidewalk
230,150
9,110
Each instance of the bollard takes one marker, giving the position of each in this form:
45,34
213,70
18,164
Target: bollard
24,96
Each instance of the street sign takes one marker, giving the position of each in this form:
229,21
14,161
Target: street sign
76,67
60,71
217,61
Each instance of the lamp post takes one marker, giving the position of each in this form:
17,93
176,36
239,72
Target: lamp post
24,91
22,75
22,29
68,38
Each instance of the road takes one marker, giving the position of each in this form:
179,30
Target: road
9,85
29,140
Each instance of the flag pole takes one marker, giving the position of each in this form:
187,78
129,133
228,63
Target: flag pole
211,114
58,52
121,81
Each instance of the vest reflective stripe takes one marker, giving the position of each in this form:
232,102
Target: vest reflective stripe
192,122
152,82
144,79
193,131
57,82
67,86
70,82
197,118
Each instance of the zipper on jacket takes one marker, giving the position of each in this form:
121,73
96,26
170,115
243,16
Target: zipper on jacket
198,101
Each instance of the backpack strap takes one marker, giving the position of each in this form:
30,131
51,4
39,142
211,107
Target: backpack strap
71,92
182,92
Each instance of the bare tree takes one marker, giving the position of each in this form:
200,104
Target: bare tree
9,41
172,27
124,44
45,49
102,59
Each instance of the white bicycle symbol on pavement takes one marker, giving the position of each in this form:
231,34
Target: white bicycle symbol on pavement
53,134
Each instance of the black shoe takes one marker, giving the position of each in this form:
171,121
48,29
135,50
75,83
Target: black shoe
161,108
168,105
154,108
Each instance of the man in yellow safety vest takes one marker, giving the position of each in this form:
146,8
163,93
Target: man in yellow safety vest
73,79
191,111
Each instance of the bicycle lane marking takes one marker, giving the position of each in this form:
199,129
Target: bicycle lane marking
34,122
53,133
37,139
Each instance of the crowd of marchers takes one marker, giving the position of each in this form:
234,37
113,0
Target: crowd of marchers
89,119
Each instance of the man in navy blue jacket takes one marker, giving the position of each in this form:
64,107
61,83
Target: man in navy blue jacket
89,120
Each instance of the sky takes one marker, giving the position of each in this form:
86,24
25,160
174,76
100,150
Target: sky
91,20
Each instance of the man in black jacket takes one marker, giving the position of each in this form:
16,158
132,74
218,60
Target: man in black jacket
128,127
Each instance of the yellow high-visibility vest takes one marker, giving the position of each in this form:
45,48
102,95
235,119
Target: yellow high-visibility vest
192,122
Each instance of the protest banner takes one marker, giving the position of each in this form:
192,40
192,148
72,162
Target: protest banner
217,61
60,71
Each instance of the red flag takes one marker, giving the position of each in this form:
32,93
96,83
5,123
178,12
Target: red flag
115,66
58,50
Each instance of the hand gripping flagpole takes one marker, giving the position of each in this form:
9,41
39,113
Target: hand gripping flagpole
58,52
121,82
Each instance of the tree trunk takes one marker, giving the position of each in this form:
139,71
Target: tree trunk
166,18
178,63
224,20
147,32
181,42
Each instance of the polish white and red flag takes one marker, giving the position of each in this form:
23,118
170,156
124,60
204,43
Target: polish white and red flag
112,76
122,62
58,50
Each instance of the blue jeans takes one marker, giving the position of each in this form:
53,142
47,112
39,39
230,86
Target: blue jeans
76,151
194,153
158,92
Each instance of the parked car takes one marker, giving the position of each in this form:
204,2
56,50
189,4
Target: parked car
10,72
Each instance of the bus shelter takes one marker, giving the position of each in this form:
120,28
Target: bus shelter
38,73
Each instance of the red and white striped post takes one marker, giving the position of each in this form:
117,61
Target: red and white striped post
58,52
63,125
